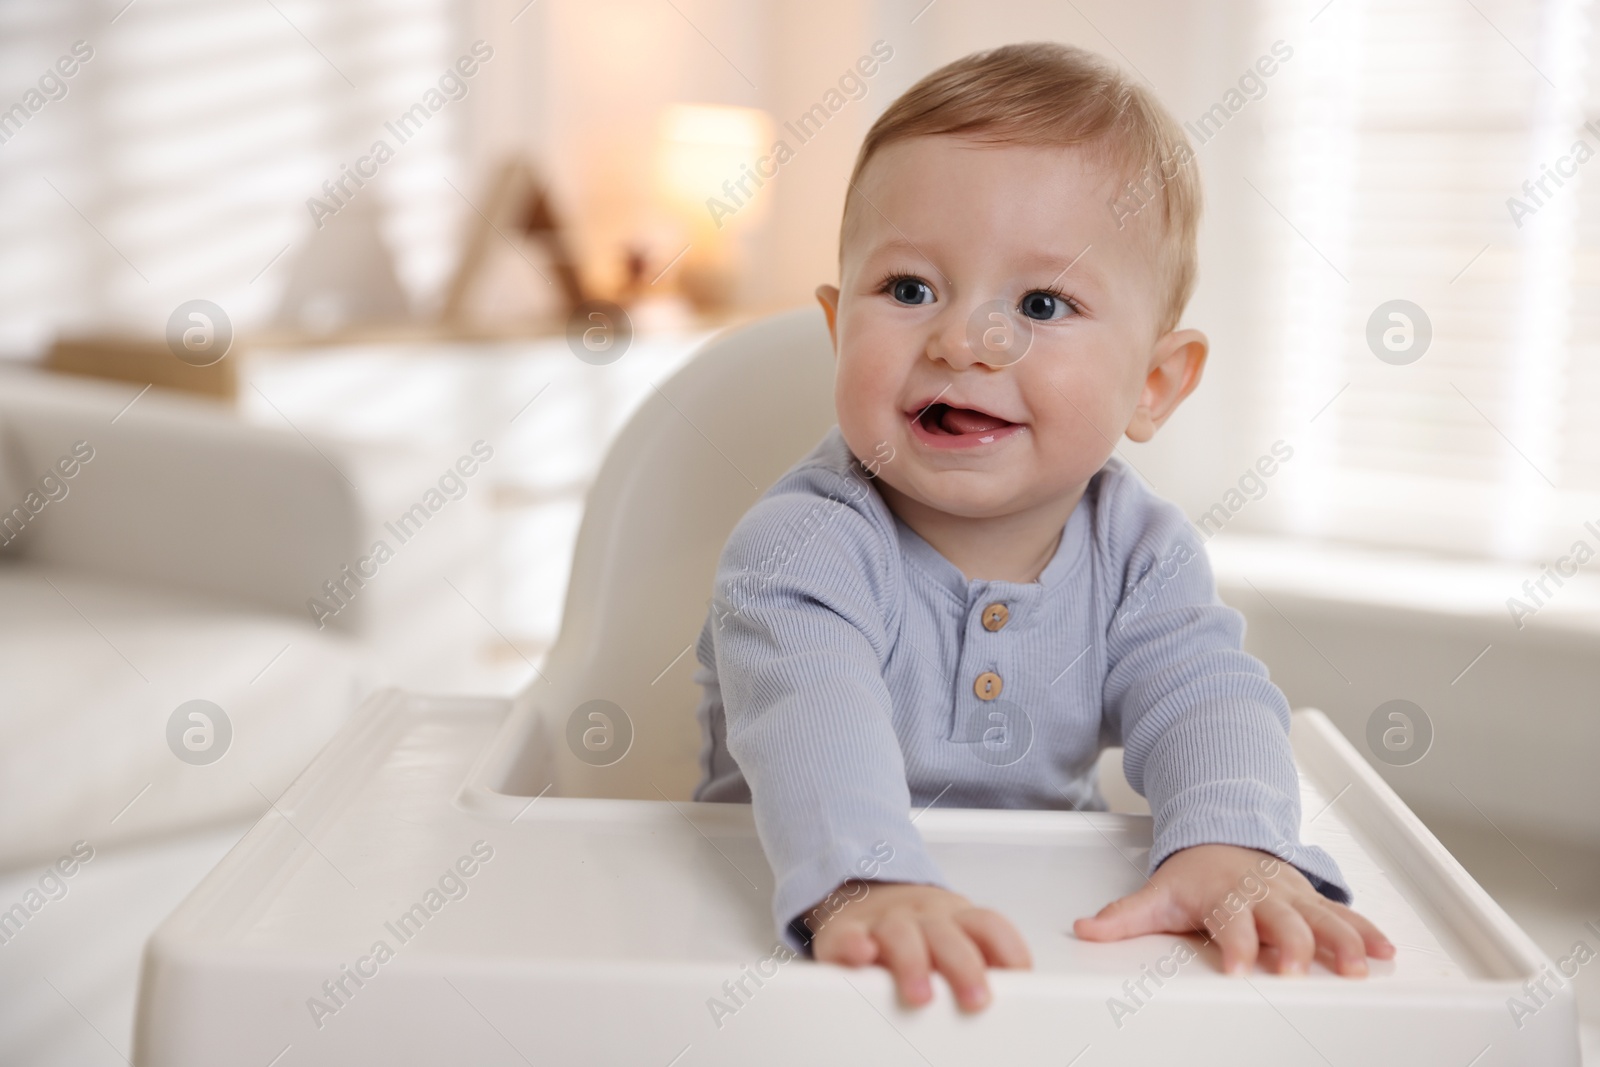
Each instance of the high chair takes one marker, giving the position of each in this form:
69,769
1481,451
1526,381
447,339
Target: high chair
505,881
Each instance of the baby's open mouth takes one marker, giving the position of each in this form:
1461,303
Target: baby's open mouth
942,418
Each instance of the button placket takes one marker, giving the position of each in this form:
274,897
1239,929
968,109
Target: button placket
981,680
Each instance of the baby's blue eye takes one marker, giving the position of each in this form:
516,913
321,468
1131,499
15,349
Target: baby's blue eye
1042,305
910,290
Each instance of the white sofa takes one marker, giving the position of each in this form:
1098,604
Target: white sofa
175,564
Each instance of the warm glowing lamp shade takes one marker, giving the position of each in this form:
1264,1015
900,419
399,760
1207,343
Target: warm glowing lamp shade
704,150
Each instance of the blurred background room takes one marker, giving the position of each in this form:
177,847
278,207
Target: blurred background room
301,257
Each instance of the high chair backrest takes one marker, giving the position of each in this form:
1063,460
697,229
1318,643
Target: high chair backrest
694,458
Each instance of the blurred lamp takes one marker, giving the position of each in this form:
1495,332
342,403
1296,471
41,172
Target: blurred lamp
704,150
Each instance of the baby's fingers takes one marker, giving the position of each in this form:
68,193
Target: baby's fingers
1284,928
903,949
1377,945
995,937
959,960
1338,936
1239,944
1143,912
845,941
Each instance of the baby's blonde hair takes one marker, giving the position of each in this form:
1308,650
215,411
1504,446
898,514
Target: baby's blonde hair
1042,93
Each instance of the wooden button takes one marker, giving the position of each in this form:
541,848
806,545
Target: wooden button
987,685
995,616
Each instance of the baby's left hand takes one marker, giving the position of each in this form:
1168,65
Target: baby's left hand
1247,901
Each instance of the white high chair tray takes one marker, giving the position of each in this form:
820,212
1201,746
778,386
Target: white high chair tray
618,932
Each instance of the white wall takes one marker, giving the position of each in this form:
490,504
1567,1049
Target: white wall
594,102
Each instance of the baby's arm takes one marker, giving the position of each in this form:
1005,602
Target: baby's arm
1205,736
802,609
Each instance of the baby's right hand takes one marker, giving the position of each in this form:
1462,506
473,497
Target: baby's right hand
912,929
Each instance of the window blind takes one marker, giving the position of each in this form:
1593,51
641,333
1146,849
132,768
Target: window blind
179,161
1388,159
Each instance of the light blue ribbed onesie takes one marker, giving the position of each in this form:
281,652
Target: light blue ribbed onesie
851,672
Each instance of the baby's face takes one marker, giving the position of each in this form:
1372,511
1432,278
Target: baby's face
953,239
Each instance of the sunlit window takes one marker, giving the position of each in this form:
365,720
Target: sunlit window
1412,157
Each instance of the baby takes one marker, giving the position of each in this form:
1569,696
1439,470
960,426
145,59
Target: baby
960,596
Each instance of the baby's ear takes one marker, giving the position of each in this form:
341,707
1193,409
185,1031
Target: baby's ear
828,297
1175,366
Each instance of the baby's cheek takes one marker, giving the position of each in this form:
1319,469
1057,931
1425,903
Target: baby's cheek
859,422
1075,443
864,402
1088,413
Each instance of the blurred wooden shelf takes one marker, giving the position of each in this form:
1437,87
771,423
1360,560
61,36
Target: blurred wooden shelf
426,332
142,361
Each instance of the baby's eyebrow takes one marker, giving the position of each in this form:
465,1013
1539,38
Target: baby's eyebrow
1078,266
902,245
897,244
